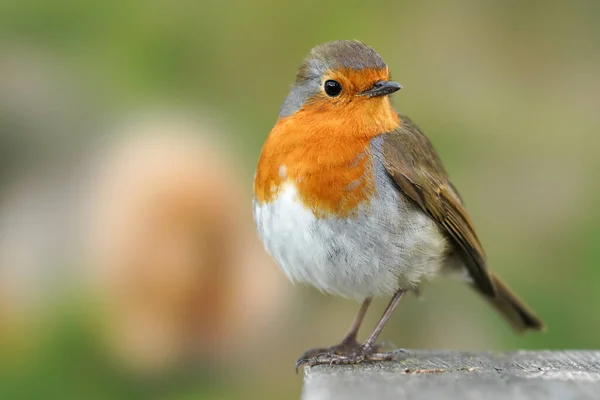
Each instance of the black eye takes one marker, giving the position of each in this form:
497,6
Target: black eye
332,88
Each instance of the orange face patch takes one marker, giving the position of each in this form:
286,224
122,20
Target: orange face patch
355,81
324,147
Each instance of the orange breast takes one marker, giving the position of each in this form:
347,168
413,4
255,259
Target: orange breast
323,150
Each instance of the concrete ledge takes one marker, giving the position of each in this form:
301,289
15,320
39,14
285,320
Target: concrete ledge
459,375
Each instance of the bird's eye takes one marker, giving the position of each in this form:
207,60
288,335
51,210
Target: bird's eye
332,88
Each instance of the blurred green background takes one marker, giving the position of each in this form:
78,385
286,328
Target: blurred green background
507,91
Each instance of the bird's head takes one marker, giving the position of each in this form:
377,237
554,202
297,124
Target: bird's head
343,80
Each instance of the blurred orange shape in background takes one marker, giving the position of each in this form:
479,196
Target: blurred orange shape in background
174,253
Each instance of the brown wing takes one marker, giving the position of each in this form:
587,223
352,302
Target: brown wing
415,166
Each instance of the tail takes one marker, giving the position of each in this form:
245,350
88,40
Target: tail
516,313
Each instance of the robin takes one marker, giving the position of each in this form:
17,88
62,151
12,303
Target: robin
352,198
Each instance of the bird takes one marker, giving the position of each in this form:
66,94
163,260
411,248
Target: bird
352,198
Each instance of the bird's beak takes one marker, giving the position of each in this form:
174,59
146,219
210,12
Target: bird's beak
382,88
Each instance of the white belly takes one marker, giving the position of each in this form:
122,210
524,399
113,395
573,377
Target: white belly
390,245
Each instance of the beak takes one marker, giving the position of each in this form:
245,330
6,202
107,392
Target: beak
382,88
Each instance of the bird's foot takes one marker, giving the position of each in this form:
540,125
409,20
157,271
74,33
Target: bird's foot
347,346
344,353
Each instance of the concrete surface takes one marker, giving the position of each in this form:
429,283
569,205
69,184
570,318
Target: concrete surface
434,375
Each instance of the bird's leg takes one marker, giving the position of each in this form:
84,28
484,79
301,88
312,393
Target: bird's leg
348,343
369,344
350,338
357,354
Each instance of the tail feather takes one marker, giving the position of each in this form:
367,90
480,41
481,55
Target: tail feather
515,311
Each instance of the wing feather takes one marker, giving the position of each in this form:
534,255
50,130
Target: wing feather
415,166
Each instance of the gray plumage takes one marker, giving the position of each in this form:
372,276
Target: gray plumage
328,56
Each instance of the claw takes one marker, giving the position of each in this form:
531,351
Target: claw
299,363
405,352
310,356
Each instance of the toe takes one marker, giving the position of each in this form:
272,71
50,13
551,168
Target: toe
300,362
381,357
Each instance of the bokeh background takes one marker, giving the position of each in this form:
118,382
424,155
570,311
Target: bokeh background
129,133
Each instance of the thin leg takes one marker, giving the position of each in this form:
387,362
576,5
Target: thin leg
348,345
370,342
350,337
353,353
